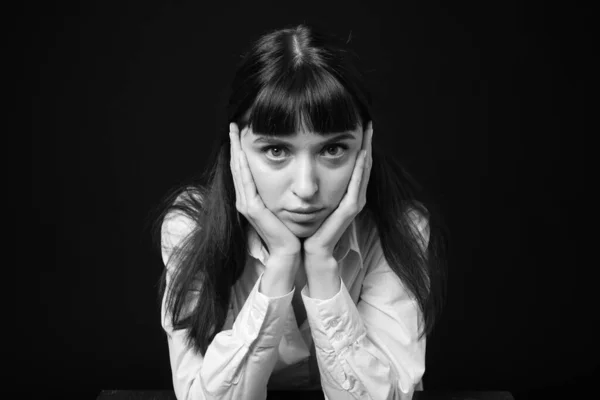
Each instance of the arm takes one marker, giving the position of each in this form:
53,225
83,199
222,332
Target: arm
369,350
239,361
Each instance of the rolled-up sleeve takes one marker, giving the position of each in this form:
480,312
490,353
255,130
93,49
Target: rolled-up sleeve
239,361
370,350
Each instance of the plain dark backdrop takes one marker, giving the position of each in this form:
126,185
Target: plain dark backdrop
484,103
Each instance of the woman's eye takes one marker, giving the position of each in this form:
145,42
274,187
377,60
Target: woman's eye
273,149
277,151
336,146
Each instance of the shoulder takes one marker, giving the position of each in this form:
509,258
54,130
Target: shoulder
178,220
417,215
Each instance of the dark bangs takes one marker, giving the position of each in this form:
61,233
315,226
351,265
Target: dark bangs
308,98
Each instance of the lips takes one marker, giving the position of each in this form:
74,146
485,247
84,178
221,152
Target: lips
304,217
311,211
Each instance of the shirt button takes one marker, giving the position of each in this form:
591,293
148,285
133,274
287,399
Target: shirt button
348,383
338,336
351,382
254,313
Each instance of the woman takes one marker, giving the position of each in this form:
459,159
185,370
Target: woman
257,294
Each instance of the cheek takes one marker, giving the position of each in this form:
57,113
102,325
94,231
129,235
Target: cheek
265,182
337,183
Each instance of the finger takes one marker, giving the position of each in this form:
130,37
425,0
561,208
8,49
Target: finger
249,187
368,137
234,129
365,142
368,163
357,176
240,170
235,151
366,174
368,143
370,150
234,174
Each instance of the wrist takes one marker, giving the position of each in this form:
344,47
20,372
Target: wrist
323,278
320,264
279,276
289,261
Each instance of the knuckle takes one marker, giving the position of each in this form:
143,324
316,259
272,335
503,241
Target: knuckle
241,207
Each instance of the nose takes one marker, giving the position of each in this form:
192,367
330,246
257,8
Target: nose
305,180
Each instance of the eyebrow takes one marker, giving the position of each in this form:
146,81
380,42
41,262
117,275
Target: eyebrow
267,139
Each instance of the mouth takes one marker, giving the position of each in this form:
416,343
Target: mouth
304,217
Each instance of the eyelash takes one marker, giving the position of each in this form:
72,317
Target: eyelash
340,145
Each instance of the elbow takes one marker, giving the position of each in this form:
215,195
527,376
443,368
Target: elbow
192,390
406,389
409,381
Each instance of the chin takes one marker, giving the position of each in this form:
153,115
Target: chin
303,235
303,231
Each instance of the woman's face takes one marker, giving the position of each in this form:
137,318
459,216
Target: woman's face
304,170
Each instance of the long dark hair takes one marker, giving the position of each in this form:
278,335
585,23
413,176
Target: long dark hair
291,78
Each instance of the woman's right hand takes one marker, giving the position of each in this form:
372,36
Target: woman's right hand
280,241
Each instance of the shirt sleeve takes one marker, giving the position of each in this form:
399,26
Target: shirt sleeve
370,350
239,361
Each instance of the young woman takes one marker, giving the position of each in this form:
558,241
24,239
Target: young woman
301,259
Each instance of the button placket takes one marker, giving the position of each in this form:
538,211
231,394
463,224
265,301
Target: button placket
342,377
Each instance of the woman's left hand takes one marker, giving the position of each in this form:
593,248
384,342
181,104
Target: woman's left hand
321,244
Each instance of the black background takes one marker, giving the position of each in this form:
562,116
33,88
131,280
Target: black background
484,102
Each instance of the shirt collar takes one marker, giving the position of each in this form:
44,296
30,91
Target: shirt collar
347,242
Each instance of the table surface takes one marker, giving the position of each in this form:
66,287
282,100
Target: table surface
310,395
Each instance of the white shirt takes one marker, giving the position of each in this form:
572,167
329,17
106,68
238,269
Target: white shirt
360,344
